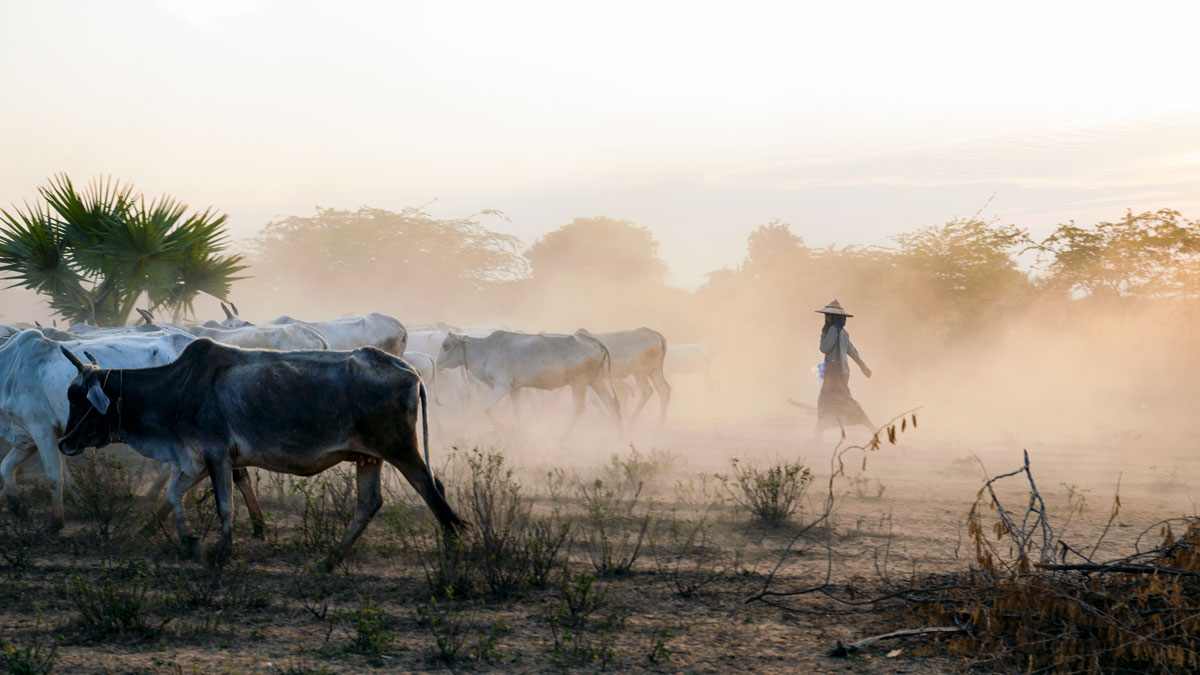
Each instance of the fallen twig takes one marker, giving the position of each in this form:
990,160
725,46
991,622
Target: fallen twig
842,650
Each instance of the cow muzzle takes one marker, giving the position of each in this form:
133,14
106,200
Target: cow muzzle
69,449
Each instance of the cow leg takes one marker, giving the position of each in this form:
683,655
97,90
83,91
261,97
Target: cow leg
47,446
415,472
498,393
579,399
165,472
367,475
664,393
221,474
241,477
180,484
646,390
515,395
610,402
160,481
8,472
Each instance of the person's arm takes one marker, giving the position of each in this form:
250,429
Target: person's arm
857,359
829,339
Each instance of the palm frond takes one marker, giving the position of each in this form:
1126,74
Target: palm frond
96,252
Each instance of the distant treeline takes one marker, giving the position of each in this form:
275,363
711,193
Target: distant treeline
935,304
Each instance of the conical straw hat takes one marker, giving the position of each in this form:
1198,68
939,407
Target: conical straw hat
834,307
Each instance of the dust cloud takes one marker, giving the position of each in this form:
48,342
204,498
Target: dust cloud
954,319
958,320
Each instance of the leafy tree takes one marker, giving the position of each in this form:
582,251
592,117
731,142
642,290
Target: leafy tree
418,261
604,249
97,252
966,269
1152,254
772,248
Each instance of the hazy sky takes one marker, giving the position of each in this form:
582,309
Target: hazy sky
852,121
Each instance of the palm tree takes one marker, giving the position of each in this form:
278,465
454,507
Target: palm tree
95,254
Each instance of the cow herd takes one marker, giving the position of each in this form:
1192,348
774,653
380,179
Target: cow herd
295,397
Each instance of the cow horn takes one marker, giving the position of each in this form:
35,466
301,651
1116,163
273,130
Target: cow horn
235,311
91,358
37,323
73,359
146,315
225,309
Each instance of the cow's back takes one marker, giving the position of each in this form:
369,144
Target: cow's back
542,361
318,398
371,330
634,352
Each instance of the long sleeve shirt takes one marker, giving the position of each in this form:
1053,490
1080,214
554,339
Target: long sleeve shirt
836,345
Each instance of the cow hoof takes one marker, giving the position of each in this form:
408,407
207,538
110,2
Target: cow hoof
56,525
259,531
219,556
192,549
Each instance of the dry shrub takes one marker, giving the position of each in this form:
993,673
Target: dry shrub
1037,610
771,495
512,548
330,501
107,492
613,531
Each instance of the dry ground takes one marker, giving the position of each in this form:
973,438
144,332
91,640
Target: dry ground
268,611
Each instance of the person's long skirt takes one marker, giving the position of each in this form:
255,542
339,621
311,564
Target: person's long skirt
836,408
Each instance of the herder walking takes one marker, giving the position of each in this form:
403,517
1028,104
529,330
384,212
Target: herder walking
836,408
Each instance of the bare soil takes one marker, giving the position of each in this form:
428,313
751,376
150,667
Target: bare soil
904,514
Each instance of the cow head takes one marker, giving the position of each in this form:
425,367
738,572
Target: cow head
92,418
453,352
232,318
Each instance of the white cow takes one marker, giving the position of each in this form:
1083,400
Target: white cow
280,338
427,341
426,367
508,362
371,330
639,354
232,319
34,378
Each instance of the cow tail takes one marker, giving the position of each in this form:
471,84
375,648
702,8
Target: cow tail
607,367
433,382
662,360
425,434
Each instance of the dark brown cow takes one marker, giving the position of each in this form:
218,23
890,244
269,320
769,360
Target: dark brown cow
218,408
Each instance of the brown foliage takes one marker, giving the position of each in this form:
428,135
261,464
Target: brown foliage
1023,609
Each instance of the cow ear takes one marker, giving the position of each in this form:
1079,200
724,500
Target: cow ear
72,358
98,398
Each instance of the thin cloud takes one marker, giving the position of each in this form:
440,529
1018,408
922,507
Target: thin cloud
1145,153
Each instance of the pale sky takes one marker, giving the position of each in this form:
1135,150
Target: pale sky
852,121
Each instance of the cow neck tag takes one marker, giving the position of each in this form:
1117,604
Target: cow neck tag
97,397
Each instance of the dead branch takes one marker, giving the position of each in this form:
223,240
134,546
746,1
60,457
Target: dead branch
842,650
836,468
1119,569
